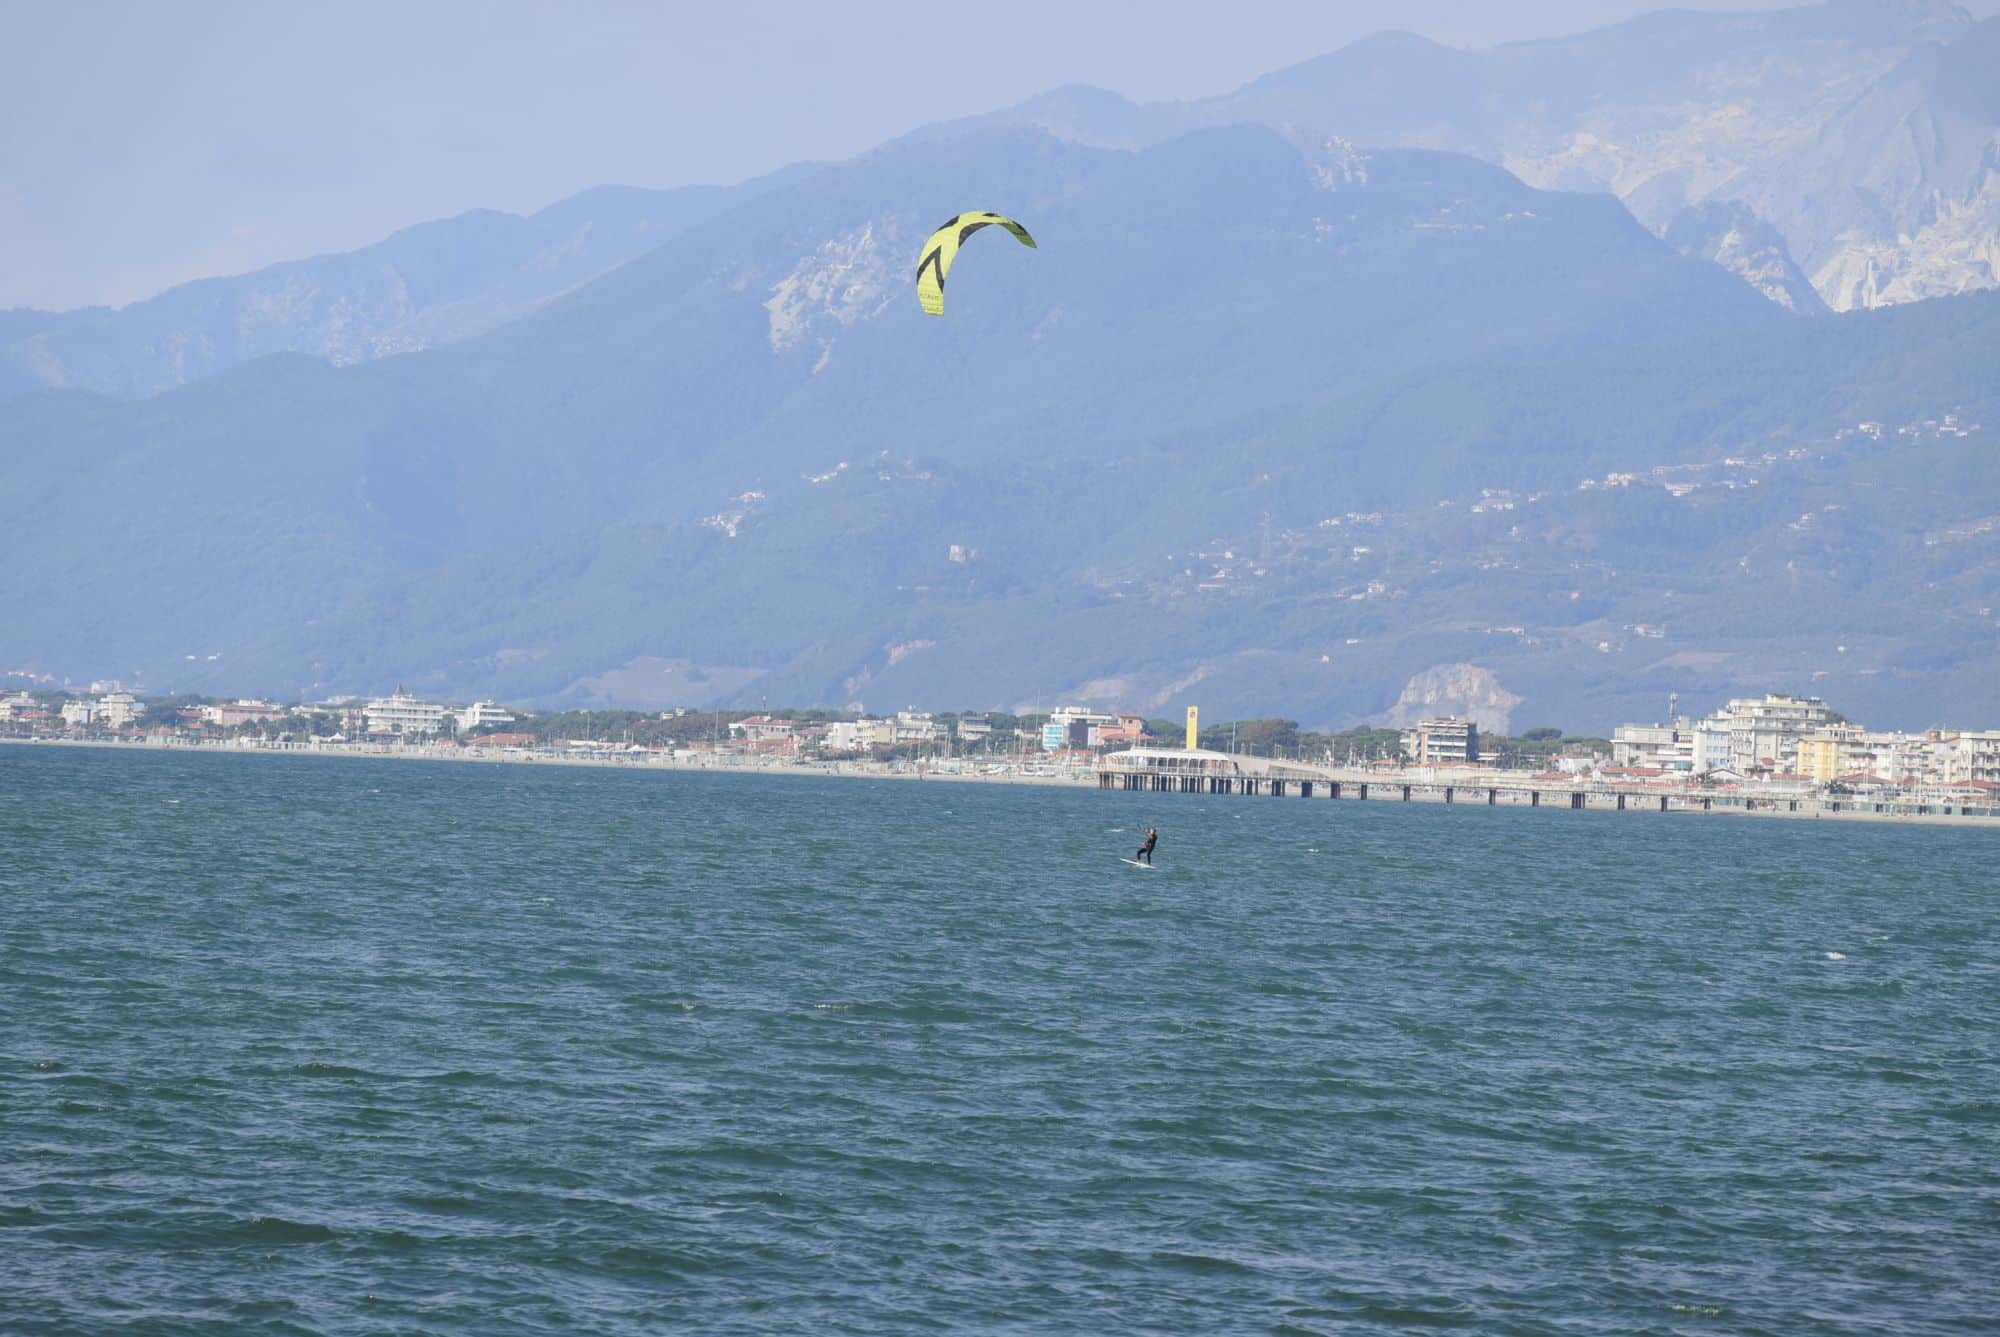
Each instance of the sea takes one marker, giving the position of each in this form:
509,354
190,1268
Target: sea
340,1046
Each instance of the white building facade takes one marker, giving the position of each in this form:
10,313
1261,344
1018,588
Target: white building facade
1666,747
1447,741
482,713
1075,727
401,713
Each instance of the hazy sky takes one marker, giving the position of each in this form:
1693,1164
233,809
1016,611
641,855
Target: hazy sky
145,144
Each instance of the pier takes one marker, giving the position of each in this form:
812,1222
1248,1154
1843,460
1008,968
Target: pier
1198,771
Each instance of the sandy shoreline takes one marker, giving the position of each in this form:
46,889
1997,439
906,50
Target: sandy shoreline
846,770
1425,790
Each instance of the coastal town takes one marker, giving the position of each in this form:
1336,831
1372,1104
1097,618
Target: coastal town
1776,746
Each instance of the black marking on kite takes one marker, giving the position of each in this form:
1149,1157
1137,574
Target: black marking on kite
935,260
968,230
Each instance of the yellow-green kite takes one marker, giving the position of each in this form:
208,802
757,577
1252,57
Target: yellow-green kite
942,249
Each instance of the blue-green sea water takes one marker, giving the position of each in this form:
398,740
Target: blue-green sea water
318,1046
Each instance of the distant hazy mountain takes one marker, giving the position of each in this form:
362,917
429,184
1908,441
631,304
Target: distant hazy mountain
1733,236
1843,154
426,285
1866,133
1257,425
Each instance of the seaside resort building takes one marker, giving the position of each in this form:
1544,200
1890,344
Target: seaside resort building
481,713
1766,733
1746,735
1664,747
1073,728
404,714
914,726
1977,757
229,714
852,735
1799,736
113,710
765,733
1449,741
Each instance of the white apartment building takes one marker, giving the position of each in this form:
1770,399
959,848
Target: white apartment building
1747,734
481,713
1766,732
1894,758
859,735
404,714
1075,727
912,726
1974,755
113,710
1448,741
1709,747
1667,747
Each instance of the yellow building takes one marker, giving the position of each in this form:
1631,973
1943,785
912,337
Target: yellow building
1823,756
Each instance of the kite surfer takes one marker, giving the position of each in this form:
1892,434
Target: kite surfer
1145,854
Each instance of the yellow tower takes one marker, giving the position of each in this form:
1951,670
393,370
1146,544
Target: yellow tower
1194,726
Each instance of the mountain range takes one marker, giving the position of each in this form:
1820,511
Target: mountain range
426,285
1841,155
1268,422
1864,135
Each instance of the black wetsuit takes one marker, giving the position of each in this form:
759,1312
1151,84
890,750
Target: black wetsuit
1146,850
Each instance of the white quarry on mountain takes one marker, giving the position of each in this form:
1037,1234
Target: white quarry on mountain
1864,133
846,278
1337,164
1957,251
1861,243
1865,154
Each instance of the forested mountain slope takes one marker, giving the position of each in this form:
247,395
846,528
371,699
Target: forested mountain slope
745,465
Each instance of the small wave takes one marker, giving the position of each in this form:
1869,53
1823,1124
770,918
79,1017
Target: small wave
1836,956
279,1230
1202,1263
455,1077
319,1069
443,1204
